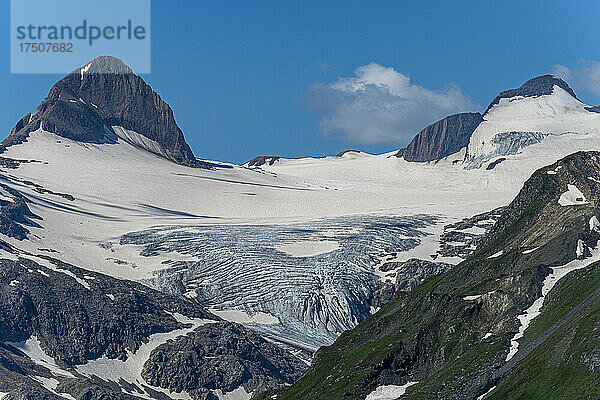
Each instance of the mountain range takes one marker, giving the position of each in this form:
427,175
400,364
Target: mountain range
463,266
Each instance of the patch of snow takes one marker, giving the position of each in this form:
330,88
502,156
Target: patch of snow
308,248
110,296
32,349
580,248
535,309
43,273
594,224
486,393
237,394
572,197
528,251
85,69
496,255
472,298
389,392
487,335
14,283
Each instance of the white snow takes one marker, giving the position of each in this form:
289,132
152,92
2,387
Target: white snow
472,298
572,197
237,394
535,309
555,114
528,251
486,393
85,69
308,248
580,248
110,296
32,348
389,392
496,255
130,370
14,283
594,224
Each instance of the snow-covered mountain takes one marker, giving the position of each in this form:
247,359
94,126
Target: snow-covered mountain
298,250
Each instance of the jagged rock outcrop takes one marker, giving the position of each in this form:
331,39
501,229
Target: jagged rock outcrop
86,103
221,356
442,138
262,160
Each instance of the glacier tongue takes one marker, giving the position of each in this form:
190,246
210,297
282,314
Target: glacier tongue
242,267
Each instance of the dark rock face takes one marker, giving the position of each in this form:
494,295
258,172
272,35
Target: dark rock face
76,324
262,160
595,109
442,138
537,86
341,153
221,355
86,103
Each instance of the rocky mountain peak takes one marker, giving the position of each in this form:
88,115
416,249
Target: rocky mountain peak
86,104
106,65
538,86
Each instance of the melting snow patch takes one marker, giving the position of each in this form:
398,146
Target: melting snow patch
389,392
594,224
496,255
14,283
486,393
535,309
237,394
472,298
572,197
110,296
31,347
530,250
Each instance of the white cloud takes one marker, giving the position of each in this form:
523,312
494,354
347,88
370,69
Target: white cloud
381,105
584,77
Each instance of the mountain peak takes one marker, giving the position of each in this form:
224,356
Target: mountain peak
105,65
538,86
86,104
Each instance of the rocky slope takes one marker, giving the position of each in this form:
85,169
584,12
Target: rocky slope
441,138
62,327
498,323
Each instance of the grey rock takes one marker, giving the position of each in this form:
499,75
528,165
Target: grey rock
84,105
262,160
442,138
224,356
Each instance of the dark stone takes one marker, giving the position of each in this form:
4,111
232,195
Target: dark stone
341,153
262,160
442,138
221,355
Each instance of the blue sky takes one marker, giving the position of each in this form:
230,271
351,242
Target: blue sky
313,78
